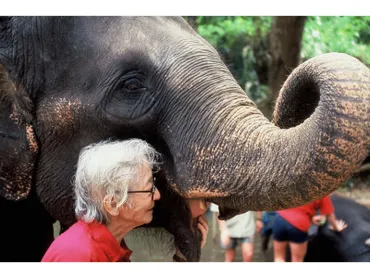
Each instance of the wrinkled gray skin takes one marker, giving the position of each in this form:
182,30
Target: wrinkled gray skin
68,82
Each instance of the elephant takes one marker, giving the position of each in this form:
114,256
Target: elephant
67,82
348,246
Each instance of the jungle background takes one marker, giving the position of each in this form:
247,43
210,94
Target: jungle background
261,51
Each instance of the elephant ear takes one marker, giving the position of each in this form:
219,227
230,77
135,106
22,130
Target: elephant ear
5,36
18,145
4,22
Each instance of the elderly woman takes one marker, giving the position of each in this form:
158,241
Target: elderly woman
115,193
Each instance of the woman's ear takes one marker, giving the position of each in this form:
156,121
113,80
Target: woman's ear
110,205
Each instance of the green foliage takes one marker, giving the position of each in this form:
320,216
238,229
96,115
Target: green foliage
243,43
345,34
240,40
226,29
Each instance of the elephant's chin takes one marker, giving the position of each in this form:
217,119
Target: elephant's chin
227,213
199,206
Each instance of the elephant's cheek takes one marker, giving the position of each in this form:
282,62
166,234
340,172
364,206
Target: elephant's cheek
61,114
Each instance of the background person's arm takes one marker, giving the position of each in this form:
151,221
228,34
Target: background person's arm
335,224
259,222
224,233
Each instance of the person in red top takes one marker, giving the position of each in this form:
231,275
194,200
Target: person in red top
115,193
292,225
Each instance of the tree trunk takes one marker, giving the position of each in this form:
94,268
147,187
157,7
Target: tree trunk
284,50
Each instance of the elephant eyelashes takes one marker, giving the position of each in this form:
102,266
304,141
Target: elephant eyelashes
128,99
133,85
131,89
131,82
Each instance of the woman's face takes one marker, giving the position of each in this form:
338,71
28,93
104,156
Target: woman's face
141,210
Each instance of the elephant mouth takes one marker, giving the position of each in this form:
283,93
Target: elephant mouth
226,213
198,205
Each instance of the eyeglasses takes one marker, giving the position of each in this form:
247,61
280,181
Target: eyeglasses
146,191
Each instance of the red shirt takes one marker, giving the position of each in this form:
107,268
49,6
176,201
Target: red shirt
300,217
87,242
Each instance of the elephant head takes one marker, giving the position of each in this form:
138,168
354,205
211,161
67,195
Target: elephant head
79,80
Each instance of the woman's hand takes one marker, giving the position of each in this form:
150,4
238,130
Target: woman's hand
259,225
317,220
340,226
202,225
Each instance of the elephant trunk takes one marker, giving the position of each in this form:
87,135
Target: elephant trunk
251,164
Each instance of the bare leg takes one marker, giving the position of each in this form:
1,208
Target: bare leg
229,255
298,251
279,250
247,251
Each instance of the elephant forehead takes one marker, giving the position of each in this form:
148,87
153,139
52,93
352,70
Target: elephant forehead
61,112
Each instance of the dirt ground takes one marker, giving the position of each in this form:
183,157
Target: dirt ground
359,194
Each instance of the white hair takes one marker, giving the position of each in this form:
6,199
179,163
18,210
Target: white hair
109,169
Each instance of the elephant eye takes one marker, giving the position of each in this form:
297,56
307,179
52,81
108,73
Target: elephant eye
133,85
129,96
130,90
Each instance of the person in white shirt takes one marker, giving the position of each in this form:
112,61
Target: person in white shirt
241,230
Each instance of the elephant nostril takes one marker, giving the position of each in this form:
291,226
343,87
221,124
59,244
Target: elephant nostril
297,102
